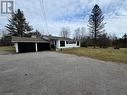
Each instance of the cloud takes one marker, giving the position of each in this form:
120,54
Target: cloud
117,26
73,13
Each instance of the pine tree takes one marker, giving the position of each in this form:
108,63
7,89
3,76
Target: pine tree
17,24
125,40
96,24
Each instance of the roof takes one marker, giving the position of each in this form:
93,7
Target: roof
28,39
55,38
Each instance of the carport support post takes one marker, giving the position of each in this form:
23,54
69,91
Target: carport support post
36,47
16,47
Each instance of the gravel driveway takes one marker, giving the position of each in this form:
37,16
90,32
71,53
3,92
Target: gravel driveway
52,73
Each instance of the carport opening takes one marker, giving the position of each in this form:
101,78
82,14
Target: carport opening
43,46
26,47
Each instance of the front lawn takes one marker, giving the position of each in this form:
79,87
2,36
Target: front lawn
7,49
109,54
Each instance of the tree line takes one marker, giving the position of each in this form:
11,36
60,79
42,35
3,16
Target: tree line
96,37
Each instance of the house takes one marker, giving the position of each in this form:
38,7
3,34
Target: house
28,44
61,42
34,44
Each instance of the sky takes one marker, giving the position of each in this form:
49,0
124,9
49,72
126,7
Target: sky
49,16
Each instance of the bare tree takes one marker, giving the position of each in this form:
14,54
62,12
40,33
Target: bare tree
79,33
83,32
65,32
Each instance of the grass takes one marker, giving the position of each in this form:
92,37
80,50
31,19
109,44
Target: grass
108,54
7,48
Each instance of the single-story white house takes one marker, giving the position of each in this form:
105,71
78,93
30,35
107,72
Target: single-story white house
34,44
60,42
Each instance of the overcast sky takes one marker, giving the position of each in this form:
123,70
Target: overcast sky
71,13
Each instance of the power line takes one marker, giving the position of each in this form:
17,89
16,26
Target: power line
44,14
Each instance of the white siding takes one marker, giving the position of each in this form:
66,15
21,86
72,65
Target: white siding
58,44
67,45
36,47
16,47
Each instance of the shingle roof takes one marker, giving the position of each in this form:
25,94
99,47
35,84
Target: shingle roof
28,39
56,37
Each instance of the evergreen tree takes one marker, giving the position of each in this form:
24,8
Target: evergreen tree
104,41
125,40
17,24
96,24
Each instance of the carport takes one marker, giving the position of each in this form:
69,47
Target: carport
43,46
26,44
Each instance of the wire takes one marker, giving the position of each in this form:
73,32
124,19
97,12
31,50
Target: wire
44,14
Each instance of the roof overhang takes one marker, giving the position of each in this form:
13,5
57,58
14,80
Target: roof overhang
28,40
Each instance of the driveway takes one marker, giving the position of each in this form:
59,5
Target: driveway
52,73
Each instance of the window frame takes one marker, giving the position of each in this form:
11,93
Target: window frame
78,43
62,44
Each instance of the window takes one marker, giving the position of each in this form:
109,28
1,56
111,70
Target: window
77,43
62,43
70,42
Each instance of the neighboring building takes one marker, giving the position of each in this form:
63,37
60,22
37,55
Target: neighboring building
27,44
60,42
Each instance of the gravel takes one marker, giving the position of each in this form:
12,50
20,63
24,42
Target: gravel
52,73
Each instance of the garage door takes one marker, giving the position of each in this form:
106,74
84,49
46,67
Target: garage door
43,46
26,47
